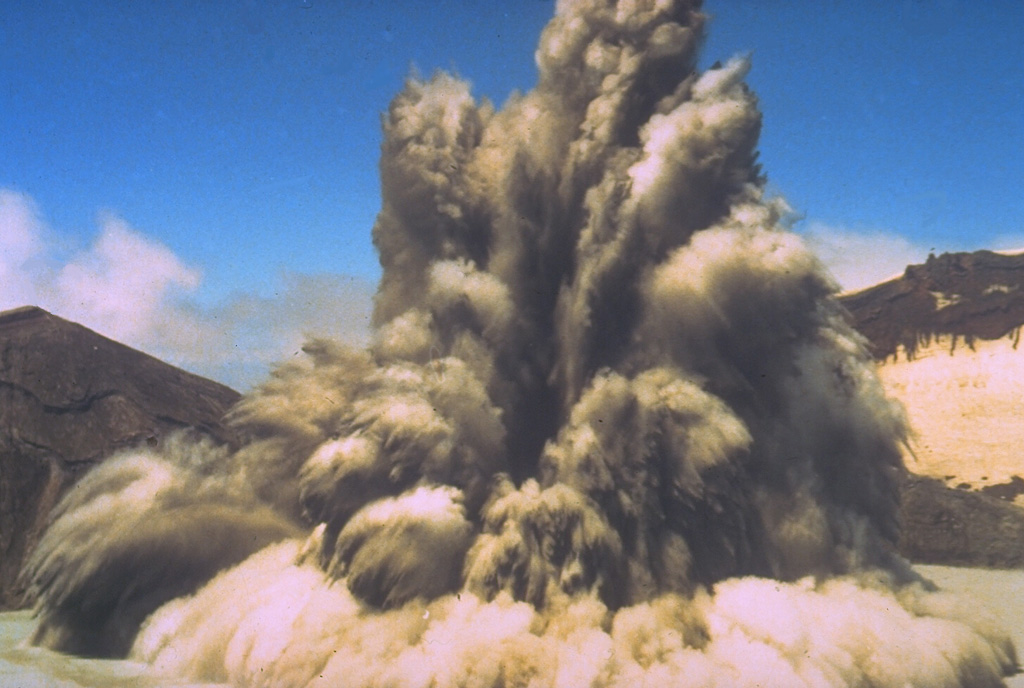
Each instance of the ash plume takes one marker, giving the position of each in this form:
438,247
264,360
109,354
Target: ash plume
612,429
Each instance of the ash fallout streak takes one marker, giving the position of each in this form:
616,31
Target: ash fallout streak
612,430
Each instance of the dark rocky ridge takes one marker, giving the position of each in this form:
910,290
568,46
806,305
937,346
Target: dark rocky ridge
971,296
959,527
967,297
70,397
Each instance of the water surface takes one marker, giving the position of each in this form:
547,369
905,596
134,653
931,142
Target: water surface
32,667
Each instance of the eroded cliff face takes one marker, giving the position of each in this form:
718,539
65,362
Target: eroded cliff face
70,397
961,297
946,335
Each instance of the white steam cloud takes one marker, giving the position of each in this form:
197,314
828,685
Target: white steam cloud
863,259
612,428
135,290
122,285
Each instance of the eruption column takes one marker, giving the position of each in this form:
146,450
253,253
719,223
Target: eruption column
607,388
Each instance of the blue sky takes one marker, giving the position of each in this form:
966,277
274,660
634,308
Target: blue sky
228,149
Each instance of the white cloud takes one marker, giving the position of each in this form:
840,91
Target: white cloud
862,259
20,241
134,289
124,283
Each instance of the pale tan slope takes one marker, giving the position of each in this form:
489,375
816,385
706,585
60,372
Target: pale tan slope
965,406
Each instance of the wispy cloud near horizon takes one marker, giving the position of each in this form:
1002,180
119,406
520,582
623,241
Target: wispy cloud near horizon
132,288
136,290
859,259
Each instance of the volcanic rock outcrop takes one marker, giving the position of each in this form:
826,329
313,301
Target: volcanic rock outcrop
965,297
70,397
959,527
946,335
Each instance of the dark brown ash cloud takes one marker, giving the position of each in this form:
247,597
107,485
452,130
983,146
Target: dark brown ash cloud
612,427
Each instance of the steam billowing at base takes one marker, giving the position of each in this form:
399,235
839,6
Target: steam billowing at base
612,429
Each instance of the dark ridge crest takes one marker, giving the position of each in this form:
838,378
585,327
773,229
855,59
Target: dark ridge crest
69,398
967,296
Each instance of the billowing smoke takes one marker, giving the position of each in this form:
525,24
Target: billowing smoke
612,429
143,530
